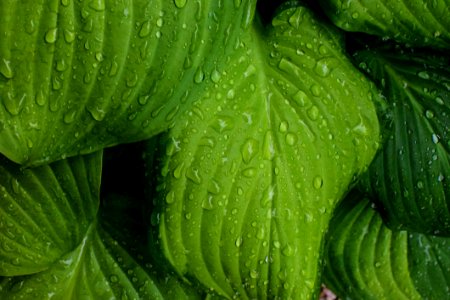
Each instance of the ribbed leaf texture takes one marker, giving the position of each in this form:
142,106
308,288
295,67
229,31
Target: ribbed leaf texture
249,177
414,22
77,76
410,177
46,211
366,260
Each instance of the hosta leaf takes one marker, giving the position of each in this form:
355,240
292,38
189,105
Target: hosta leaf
366,260
415,22
251,174
99,268
410,176
76,76
46,211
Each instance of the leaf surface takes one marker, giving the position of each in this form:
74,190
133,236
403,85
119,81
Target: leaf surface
78,76
409,178
250,175
414,22
366,260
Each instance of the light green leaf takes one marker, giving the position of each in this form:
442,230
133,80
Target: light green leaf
46,211
77,76
414,22
409,178
366,260
251,174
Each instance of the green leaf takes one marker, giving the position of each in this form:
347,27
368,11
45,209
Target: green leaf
99,268
366,260
409,178
414,22
251,174
77,76
45,212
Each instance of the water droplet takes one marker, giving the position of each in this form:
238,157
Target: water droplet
69,117
97,113
51,35
207,203
199,76
65,2
5,68
313,113
429,114
146,29
214,187
238,242
178,171
249,172
160,22
355,15
69,36
215,76
439,101
249,150
261,233
193,174
288,251
420,185
315,90
40,98
301,98
114,68
98,5
291,139
268,147
237,3
254,274
317,182
142,100
283,126
324,66
61,65
435,138
180,3
277,244
188,216
113,278
170,197
423,75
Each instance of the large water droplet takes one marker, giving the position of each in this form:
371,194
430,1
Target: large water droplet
98,5
291,139
170,197
51,35
249,150
180,3
145,29
5,68
317,182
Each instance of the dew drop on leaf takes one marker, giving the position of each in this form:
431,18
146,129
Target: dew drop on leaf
51,35
180,3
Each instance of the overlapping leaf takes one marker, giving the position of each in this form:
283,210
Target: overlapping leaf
77,76
415,22
45,212
53,246
252,172
410,177
366,260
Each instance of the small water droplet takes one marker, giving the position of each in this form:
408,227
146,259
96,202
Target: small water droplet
301,98
288,251
178,171
98,5
291,139
170,197
145,29
429,114
423,75
51,35
317,182
254,274
315,90
69,117
199,76
238,242
215,76
249,172
194,175
420,185
180,3
283,126
5,68
249,150
268,147
313,113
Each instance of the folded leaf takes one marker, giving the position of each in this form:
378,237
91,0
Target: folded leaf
410,177
77,76
251,174
415,22
366,260
45,212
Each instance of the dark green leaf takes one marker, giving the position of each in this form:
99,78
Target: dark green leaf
415,22
410,177
366,260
